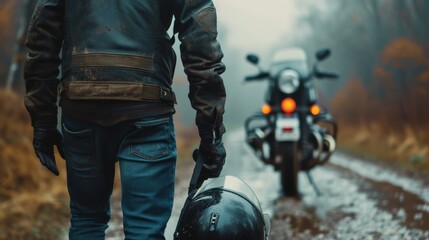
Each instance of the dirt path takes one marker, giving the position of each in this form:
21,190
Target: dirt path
360,200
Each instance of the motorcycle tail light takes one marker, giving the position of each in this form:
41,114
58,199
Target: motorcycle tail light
288,105
315,109
266,109
287,129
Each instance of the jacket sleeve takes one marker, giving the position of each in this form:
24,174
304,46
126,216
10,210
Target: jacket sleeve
201,56
44,41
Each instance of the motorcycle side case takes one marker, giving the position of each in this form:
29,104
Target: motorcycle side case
287,128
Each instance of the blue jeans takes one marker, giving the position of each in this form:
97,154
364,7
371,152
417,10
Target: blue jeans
146,151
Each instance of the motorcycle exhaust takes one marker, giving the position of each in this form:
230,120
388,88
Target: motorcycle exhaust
325,146
329,146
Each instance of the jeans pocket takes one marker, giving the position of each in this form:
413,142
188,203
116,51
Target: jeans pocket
79,148
151,140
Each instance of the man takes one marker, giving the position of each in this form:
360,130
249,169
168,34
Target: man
115,92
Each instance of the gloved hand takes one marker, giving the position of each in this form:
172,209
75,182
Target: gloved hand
214,154
43,143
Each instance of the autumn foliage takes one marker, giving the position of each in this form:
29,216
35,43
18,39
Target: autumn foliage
381,50
392,110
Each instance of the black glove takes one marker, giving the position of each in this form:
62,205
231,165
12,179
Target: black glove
213,154
43,143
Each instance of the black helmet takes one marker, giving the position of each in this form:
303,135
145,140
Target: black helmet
224,208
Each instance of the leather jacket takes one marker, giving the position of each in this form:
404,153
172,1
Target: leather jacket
121,51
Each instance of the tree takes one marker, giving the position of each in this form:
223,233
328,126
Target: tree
15,75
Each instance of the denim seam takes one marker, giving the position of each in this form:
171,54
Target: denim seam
135,152
151,123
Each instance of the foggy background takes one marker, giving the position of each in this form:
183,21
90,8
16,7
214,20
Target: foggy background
259,27
380,48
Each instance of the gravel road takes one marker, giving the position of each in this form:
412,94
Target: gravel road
359,200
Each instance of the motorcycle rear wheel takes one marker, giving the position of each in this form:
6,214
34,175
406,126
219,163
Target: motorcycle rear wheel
289,168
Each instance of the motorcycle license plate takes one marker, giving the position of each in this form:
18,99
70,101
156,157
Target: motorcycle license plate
287,129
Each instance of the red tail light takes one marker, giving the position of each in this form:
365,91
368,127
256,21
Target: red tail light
287,129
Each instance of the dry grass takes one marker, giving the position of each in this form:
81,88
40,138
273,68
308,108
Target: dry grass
396,148
187,140
33,202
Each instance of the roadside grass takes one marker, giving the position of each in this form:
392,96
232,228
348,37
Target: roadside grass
187,141
401,149
34,202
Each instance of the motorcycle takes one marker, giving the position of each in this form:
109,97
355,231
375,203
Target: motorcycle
292,131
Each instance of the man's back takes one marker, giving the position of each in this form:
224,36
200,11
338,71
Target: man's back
115,88
110,40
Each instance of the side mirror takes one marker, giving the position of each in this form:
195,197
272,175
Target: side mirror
323,54
252,58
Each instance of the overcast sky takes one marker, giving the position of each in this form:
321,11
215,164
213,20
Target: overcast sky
256,24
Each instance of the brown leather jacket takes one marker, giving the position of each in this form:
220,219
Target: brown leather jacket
119,51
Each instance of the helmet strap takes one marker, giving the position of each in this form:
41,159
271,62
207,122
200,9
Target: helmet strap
193,187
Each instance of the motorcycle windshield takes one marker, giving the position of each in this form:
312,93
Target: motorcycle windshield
298,65
232,184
